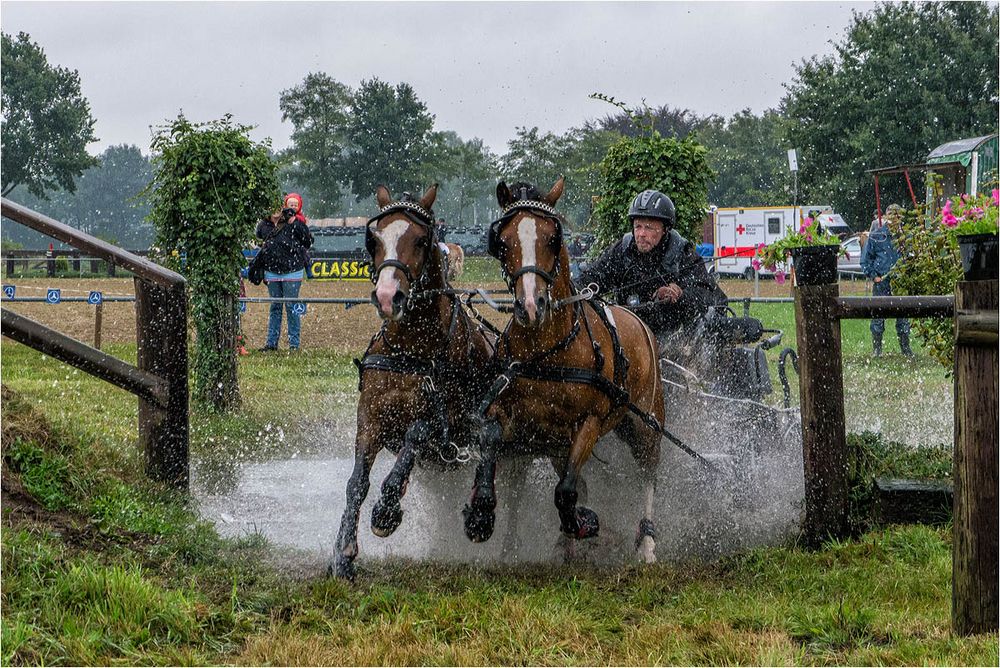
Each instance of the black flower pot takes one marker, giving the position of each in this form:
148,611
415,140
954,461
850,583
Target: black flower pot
979,256
815,265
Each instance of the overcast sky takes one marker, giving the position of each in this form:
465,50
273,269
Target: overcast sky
483,69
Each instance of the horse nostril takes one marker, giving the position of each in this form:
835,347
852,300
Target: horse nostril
541,301
398,299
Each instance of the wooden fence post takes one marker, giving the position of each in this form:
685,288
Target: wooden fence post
974,532
161,333
821,398
98,322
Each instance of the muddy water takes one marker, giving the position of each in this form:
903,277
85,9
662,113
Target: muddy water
751,495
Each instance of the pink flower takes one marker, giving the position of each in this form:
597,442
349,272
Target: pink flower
809,238
779,277
996,196
975,213
755,263
761,247
947,217
769,267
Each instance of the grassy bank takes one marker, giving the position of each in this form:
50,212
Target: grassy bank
101,567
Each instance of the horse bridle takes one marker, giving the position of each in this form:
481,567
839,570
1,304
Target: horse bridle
495,248
415,214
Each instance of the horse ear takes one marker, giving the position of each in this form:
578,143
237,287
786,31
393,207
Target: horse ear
382,196
427,201
504,196
556,192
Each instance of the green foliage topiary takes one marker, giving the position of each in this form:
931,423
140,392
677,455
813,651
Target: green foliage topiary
677,168
211,185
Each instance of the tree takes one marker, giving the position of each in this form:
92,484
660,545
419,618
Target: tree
389,139
46,122
211,185
319,110
906,78
543,157
467,195
747,155
667,120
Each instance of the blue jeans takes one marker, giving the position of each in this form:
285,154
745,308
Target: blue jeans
283,289
884,289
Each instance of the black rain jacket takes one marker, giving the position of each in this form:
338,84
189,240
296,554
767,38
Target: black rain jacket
624,272
284,250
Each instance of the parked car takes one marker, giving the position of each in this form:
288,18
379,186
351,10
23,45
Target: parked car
850,263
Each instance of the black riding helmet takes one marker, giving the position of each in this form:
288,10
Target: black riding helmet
653,204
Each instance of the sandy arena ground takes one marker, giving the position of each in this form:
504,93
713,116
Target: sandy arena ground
323,326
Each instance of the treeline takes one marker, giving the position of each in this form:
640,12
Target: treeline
904,79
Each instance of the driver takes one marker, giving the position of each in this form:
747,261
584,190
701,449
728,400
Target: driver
655,271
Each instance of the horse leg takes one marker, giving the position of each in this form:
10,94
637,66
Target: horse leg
357,490
577,521
645,446
480,512
387,513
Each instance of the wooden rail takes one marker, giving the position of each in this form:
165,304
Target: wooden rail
818,311
161,379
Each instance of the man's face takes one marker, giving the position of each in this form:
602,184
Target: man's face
647,233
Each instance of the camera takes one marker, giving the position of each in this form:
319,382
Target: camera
287,214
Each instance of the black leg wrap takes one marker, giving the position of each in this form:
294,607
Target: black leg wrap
479,518
645,529
386,516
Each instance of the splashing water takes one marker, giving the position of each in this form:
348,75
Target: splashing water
751,496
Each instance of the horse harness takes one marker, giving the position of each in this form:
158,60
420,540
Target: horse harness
534,369
431,371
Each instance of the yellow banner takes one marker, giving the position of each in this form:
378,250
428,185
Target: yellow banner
340,270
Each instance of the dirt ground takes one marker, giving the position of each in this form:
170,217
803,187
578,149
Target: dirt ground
323,325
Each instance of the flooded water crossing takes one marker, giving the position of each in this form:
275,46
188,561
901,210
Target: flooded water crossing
750,495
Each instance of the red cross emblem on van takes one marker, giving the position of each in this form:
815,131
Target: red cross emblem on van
740,230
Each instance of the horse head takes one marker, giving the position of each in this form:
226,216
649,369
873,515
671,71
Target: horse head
402,243
528,241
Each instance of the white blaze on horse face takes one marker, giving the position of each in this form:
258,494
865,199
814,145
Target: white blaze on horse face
388,284
527,233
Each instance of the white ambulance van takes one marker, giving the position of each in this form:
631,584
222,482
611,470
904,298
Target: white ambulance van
738,232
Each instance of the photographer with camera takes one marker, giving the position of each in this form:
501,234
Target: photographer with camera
285,241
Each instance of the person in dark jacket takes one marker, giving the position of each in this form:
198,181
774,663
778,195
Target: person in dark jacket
285,239
878,256
655,271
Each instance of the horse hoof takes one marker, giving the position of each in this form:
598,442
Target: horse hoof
646,551
386,518
343,567
479,522
587,524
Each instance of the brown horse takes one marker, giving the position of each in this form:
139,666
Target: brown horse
422,374
574,371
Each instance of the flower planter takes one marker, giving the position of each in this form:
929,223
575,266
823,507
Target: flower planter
979,256
815,265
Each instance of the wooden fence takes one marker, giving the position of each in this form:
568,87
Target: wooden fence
160,380
818,312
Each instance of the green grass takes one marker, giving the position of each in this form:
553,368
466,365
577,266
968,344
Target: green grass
111,569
